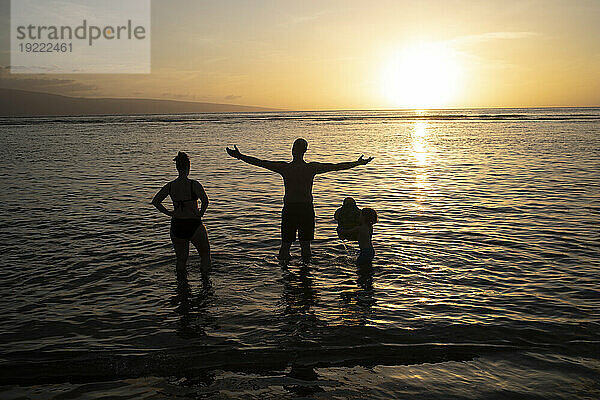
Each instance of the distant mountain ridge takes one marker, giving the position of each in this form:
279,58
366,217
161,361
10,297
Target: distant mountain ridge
21,103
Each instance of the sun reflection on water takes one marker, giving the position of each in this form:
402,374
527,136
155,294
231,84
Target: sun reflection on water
419,143
421,153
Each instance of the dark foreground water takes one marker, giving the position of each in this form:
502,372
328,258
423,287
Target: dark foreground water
486,282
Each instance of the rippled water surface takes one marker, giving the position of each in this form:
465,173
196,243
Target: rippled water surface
487,249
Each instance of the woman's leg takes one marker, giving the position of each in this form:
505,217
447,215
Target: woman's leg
182,251
200,241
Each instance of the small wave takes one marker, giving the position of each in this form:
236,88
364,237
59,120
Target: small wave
333,346
424,218
91,367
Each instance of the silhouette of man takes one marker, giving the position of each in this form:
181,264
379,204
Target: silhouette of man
298,175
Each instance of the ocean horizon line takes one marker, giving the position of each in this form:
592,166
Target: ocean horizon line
401,115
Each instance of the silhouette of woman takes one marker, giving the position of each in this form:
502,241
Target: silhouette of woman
186,218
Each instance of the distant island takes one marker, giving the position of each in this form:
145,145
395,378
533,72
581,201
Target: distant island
21,103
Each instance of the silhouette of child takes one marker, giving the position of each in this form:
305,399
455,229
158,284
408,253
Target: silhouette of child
364,233
347,217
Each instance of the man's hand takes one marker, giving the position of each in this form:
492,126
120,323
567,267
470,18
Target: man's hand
235,153
364,161
275,166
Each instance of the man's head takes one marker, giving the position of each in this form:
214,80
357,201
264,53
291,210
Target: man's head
299,147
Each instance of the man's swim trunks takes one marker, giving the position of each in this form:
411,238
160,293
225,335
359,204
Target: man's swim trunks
297,217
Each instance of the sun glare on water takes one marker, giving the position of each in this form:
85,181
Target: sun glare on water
424,75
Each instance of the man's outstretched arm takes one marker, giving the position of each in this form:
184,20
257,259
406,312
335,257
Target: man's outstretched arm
328,167
274,166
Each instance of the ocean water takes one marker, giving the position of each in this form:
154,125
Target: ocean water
486,281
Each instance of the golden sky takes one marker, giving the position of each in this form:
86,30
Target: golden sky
357,55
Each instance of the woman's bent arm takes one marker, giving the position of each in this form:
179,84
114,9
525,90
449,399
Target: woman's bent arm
159,197
203,200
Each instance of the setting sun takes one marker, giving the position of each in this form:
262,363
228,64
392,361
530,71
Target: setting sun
423,75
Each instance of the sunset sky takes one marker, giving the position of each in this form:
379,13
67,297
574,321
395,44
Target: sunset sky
356,55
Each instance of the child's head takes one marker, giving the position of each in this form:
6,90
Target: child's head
368,215
349,202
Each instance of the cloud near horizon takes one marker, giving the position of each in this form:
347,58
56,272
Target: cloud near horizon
41,83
